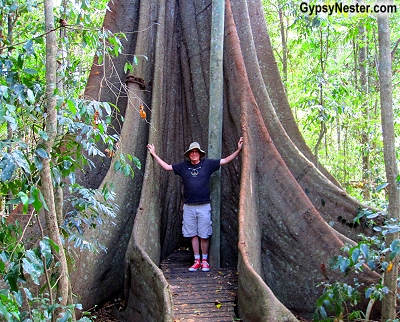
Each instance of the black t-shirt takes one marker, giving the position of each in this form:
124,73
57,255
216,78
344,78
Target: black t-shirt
196,179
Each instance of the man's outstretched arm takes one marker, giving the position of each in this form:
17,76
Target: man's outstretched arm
234,154
161,162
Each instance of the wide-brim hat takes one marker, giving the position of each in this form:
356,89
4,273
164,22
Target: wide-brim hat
192,146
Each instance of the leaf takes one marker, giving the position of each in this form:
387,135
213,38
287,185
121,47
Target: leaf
21,161
137,163
373,215
45,250
31,96
25,200
127,169
323,313
33,265
394,248
28,294
344,265
56,175
71,107
67,164
382,186
126,67
42,153
8,171
393,229
5,313
35,199
365,250
355,255
41,197
29,47
12,277
11,121
4,91
117,165
38,163
54,245
44,135
30,71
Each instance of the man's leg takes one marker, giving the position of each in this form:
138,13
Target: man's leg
196,250
205,242
204,245
189,228
204,231
195,245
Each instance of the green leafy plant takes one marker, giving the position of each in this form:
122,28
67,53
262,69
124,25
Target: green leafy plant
84,131
372,252
19,265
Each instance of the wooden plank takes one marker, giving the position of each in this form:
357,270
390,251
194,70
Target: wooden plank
200,296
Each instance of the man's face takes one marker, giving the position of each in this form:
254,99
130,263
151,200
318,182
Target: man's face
194,156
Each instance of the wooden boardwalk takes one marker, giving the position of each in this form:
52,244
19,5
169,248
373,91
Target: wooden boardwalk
200,296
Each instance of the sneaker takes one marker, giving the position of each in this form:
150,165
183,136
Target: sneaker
205,267
195,267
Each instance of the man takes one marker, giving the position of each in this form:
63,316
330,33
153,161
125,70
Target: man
195,175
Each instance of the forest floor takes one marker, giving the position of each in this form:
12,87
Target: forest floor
104,314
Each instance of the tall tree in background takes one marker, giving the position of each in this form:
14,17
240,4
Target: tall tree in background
391,166
47,189
282,219
363,89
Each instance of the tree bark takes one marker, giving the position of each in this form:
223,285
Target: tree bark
45,173
362,63
387,116
215,122
284,44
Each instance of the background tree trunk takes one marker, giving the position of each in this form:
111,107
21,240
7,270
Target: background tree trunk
391,167
45,173
281,218
362,63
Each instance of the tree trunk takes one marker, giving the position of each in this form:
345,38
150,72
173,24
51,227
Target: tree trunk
281,218
362,62
284,44
45,173
385,82
215,123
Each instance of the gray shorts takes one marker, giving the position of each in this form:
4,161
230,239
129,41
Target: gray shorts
197,221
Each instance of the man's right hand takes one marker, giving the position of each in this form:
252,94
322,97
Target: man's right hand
151,149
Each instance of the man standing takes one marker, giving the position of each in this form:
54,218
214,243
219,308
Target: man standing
195,175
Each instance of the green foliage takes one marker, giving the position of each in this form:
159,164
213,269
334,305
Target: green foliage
325,92
83,126
372,252
337,299
16,265
89,207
